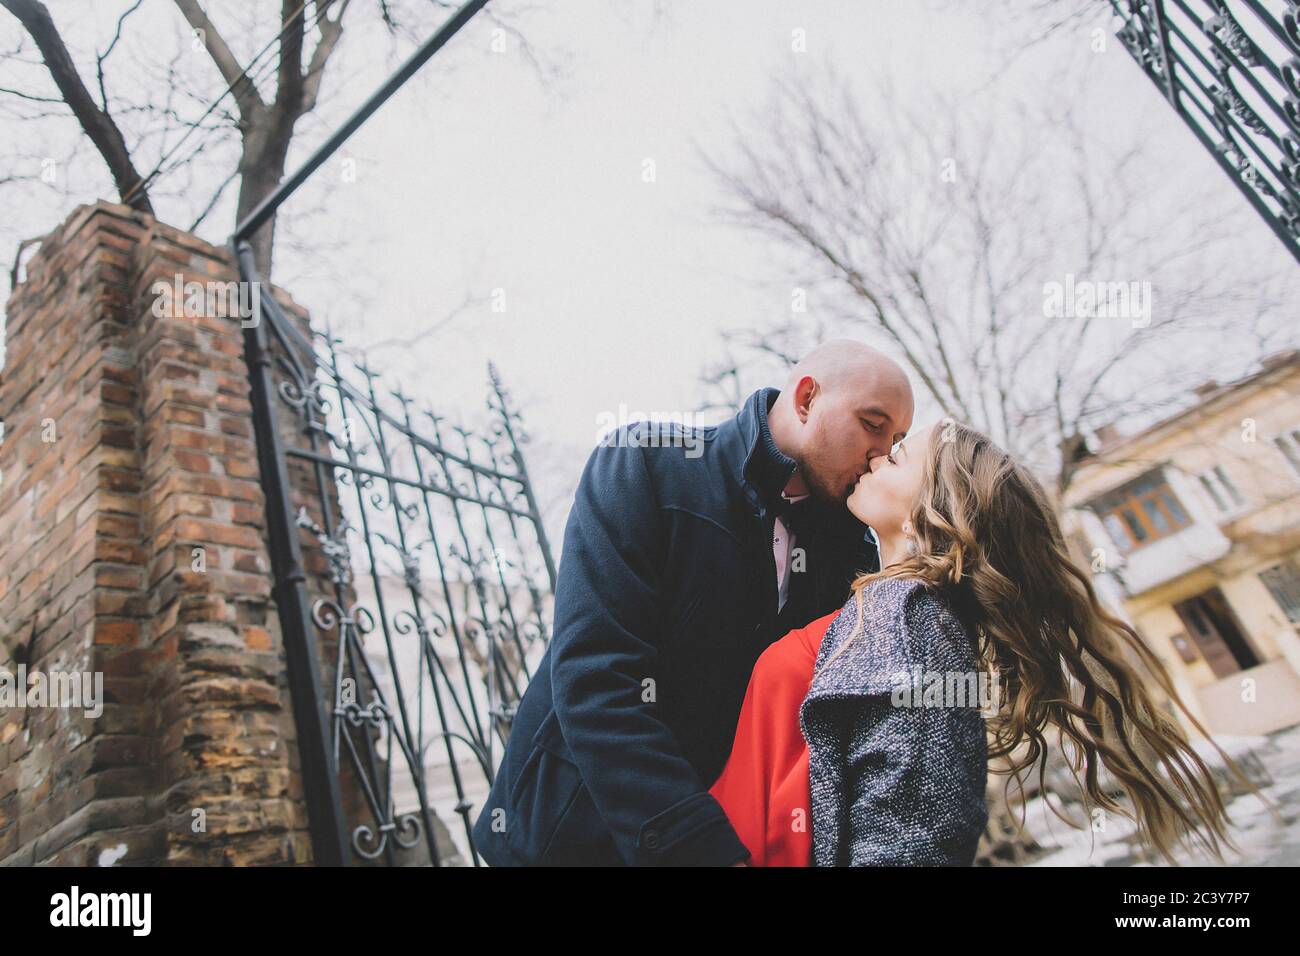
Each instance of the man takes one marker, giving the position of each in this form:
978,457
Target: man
678,570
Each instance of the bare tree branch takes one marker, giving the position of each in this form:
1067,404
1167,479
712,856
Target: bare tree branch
96,123
241,87
943,234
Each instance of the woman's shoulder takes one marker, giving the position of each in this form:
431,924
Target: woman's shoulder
886,628
882,602
911,602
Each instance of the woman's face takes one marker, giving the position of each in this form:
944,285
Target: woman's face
885,495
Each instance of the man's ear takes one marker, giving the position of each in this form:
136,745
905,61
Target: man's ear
801,409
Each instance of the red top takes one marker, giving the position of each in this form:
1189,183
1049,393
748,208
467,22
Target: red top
764,786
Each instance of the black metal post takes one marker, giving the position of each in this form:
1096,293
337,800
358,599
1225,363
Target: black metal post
320,777
393,826
267,207
534,511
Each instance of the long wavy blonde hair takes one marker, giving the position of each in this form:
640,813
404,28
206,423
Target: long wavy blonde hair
988,538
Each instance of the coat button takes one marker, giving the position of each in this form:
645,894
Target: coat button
652,839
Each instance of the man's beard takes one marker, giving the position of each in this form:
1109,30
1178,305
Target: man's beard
821,489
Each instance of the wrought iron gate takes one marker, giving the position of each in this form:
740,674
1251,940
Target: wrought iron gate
410,562
428,585
1232,72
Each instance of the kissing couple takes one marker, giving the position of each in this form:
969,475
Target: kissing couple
732,677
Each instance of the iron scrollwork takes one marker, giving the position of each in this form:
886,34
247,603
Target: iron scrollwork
1248,114
432,651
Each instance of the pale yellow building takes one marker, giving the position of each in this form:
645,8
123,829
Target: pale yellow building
1193,529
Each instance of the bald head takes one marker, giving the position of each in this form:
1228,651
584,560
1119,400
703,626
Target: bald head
841,363
843,404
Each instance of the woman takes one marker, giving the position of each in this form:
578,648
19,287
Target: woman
859,742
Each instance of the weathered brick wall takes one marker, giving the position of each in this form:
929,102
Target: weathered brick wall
132,529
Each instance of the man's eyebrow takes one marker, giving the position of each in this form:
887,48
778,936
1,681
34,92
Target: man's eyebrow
874,410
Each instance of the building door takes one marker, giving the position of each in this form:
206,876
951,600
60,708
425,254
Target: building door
1215,632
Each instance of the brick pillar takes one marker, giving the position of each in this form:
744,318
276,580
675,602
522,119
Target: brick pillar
132,528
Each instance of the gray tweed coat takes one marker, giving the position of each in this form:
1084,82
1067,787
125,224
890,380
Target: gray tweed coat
894,785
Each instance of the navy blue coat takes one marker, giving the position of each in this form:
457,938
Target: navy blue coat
665,597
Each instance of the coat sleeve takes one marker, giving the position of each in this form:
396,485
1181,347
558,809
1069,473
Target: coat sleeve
603,667
915,777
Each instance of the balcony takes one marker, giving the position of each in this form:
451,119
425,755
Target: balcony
1196,545
1155,529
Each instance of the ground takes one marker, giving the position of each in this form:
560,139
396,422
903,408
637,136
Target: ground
1264,839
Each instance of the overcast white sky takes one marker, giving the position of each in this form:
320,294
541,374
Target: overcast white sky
615,288
478,176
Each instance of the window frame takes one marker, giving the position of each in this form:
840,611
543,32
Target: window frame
1287,443
1128,507
1223,491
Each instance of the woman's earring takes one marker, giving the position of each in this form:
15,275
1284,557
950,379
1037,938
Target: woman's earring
909,542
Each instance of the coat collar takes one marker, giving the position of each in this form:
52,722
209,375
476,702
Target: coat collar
765,470
766,467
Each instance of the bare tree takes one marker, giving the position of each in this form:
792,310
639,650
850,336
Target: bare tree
939,225
271,90
95,119
959,236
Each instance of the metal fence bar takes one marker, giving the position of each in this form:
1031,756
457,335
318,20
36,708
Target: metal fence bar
377,718
412,708
267,207
1236,132
319,770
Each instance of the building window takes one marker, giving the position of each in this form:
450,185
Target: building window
1288,443
1141,512
1221,490
1283,582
